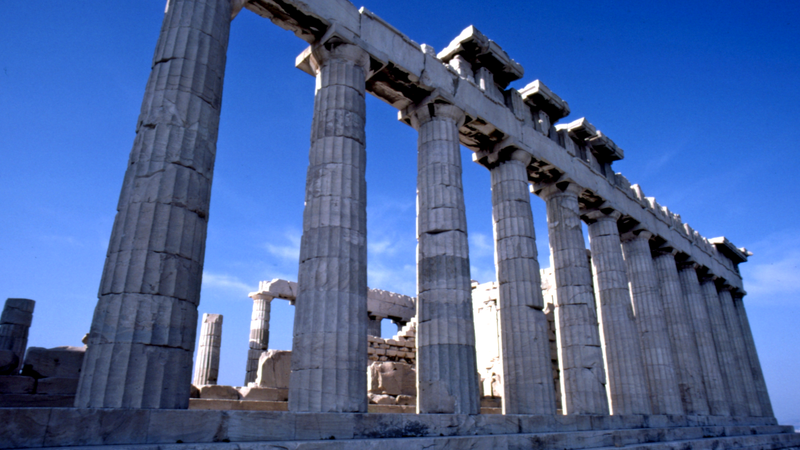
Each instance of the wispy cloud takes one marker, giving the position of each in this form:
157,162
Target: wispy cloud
480,245
289,249
402,279
482,274
226,282
773,273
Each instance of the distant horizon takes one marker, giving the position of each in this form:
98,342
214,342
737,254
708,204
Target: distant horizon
702,98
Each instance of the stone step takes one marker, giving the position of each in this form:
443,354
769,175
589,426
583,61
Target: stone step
595,440
70,427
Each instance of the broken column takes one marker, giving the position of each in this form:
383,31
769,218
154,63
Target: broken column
329,349
15,322
627,384
684,346
259,334
143,332
525,347
755,364
724,345
580,356
701,324
651,322
206,367
447,374
741,361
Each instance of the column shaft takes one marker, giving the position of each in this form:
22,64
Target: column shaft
648,309
143,331
447,375
718,401
580,356
525,347
731,376
627,384
755,364
259,335
15,322
684,345
329,356
206,367
741,359
374,326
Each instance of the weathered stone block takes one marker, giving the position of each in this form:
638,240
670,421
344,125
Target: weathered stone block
219,392
9,362
263,394
274,369
57,386
63,362
15,384
392,378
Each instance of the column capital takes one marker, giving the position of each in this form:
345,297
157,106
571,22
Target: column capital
436,105
506,150
688,264
636,234
600,214
547,190
665,250
337,43
262,296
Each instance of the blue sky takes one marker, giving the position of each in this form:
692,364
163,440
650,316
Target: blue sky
703,99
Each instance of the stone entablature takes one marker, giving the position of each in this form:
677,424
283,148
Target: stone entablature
404,73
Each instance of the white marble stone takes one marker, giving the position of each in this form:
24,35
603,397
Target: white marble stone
627,384
206,367
329,348
580,356
662,381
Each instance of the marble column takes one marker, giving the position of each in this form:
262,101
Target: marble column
15,322
329,350
524,343
755,364
716,393
143,331
731,376
447,374
662,382
580,356
622,351
206,367
259,335
741,359
679,326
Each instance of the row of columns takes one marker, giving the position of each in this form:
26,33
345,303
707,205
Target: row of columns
628,359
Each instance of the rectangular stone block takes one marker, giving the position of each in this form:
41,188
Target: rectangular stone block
23,427
57,386
69,427
169,426
16,384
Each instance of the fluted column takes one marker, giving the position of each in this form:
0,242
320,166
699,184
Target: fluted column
755,364
731,375
447,374
143,331
259,335
651,322
206,367
580,356
741,359
525,346
15,322
718,401
329,350
684,345
622,351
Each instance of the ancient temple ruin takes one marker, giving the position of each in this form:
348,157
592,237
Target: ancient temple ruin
651,335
